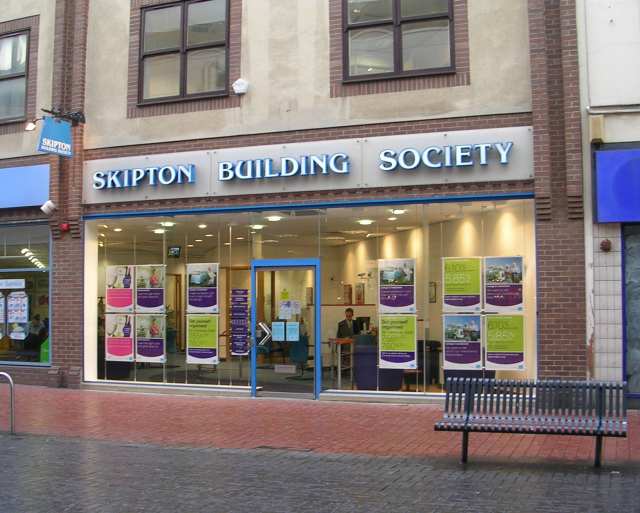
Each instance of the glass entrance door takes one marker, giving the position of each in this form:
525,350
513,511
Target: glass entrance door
285,355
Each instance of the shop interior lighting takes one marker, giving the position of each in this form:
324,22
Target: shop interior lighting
105,226
353,232
404,228
209,235
256,226
101,235
24,250
392,218
269,241
365,222
239,238
189,245
198,240
398,211
117,229
227,244
273,219
159,231
202,226
167,224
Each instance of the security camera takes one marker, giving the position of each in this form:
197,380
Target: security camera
49,207
240,86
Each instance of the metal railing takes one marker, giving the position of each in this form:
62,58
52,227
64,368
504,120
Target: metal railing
12,401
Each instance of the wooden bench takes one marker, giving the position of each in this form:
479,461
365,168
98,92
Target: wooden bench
546,407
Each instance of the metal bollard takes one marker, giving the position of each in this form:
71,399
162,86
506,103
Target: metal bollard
12,402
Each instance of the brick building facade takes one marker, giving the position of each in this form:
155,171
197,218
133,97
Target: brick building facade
95,68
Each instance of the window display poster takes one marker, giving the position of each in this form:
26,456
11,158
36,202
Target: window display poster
202,292
119,337
462,284
18,307
202,339
503,284
462,341
398,346
150,281
285,310
239,322
278,331
396,285
505,342
293,331
151,338
119,294
2,315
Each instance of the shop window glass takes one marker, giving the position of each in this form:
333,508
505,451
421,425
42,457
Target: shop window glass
184,51
13,76
360,252
24,294
397,37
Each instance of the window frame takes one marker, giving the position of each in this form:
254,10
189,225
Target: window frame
183,52
24,74
396,23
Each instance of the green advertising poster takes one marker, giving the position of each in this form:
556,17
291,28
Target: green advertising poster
505,342
202,339
462,279
397,342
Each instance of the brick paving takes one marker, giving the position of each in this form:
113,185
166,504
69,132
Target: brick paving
62,475
300,425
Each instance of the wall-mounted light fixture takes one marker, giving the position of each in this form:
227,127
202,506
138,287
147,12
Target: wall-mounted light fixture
76,118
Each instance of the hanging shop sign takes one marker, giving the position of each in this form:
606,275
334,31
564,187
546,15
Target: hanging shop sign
397,285
150,282
505,342
151,338
119,337
462,156
202,291
12,283
462,335
55,137
202,339
462,278
120,280
503,290
617,182
398,346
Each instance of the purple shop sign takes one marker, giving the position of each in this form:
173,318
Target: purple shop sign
398,357
504,297
203,298
150,299
462,300
202,353
462,355
239,344
395,297
150,349
505,358
239,293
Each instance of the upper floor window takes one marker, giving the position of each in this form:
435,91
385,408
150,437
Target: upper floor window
391,38
184,51
13,76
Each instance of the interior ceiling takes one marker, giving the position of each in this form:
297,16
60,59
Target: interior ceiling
337,226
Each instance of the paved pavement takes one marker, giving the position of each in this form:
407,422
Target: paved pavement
62,475
324,427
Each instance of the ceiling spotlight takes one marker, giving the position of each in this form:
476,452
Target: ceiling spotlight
117,229
101,234
159,231
256,226
24,250
239,238
167,224
392,218
227,244
189,245
365,222
273,218
104,226
398,211
198,240
202,226
209,235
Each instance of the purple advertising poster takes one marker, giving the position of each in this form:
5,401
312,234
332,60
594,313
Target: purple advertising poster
150,282
503,278
462,341
150,338
396,285
202,292
239,322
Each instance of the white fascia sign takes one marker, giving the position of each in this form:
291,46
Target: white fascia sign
135,177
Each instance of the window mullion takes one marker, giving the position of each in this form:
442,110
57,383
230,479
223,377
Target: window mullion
397,37
183,50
